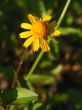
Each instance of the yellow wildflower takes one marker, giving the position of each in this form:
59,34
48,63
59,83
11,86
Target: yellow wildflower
37,32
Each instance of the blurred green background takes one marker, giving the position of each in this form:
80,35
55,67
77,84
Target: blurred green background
58,76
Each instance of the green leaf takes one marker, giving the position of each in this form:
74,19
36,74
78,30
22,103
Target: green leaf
42,79
70,30
18,96
37,106
45,64
57,70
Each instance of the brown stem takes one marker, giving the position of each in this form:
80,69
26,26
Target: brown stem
18,69
17,73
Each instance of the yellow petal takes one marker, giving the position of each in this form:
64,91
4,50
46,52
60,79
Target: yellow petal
36,18
44,45
31,18
26,25
47,18
36,44
28,41
57,33
25,34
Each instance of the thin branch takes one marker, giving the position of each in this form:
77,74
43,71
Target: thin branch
18,69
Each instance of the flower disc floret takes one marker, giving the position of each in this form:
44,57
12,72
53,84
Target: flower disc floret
39,29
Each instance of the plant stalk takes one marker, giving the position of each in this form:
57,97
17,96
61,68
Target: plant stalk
18,69
41,53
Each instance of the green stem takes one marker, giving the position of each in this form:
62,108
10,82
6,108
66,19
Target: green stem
34,65
63,13
41,53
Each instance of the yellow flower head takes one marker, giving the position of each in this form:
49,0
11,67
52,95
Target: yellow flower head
37,32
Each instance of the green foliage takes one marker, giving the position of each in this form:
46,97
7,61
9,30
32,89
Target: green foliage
42,79
17,96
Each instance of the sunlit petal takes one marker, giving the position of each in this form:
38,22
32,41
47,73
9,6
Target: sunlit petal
25,34
26,25
28,41
36,44
31,18
44,45
57,33
47,18
36,18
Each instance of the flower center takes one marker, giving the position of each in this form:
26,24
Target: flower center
39,29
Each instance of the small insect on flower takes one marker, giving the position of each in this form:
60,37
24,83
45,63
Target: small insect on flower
38,31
